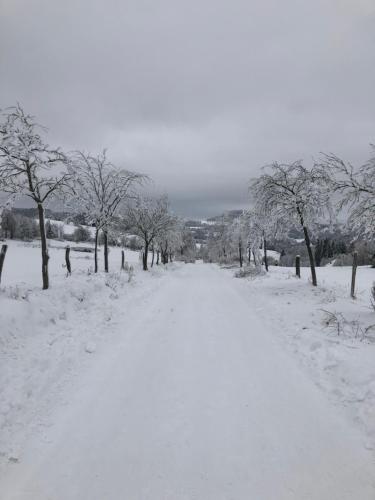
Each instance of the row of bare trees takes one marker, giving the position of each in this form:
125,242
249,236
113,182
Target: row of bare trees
159,231
90,185
292,195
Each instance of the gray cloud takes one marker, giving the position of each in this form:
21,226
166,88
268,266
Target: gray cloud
198,94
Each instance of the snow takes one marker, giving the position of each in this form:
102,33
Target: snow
23,261
69,229
275,255
46,336
184,383
340,365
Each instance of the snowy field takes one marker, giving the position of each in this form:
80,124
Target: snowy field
183,383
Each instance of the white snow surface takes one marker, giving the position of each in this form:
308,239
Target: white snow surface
184,384
69,229
23,265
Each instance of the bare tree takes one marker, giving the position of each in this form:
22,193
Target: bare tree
148,218
295,194
356,190
99,188
30,167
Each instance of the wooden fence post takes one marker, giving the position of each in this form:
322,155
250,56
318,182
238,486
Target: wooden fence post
122,260
3,251
354,272
298,266
67,260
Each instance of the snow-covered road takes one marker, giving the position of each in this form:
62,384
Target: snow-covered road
200,402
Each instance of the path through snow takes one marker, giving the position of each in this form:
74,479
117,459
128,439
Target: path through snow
199,403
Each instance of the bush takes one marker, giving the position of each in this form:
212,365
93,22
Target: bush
271,261
81,234
365,252
250,272
133,243
343,260
52,230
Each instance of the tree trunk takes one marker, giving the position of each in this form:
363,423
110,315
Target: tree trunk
240,253
311,256
43,240
67,260
157,257
96,248
122,260
145,257
106,267
170,256
265,253
153,257
3,252
249,256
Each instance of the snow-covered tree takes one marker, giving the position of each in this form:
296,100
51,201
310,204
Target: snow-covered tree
220,246
30,167
148,218
188,247
98,191
294,194
237,235
261,227
169,240
8,223
356,190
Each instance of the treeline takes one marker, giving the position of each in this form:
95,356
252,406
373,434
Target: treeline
16,226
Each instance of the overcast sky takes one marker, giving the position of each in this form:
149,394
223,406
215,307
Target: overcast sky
199,94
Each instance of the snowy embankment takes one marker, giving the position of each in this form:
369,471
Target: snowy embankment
46,336
338,355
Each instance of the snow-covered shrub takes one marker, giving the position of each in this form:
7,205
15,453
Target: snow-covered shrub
373,295
365,256
348,328
343,260
17,293
130,273
271,261
113,281
250,272
81,233
80,295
